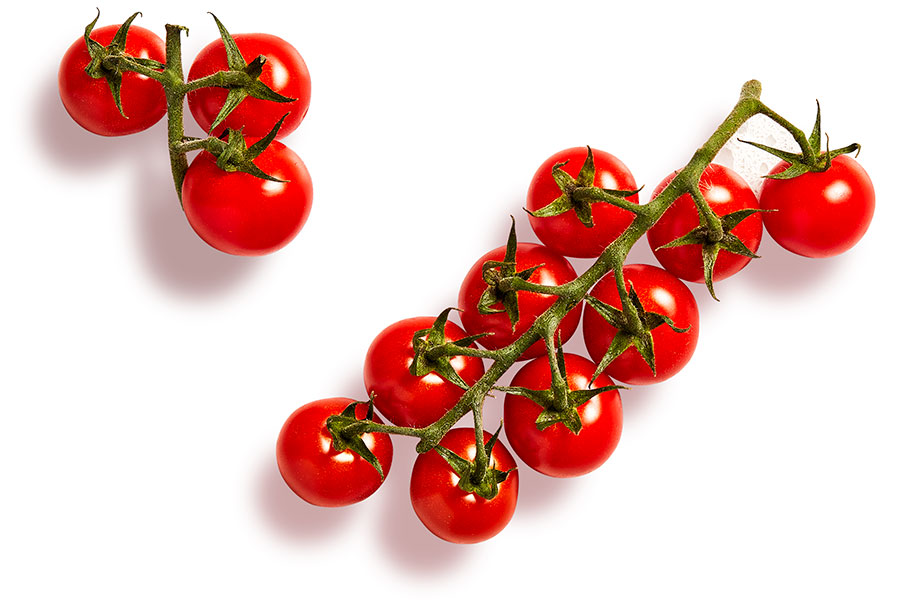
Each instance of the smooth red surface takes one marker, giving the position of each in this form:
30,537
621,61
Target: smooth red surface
726,192
451,513
564,233
406,399
659,292
556,451
556,270
241,214
284,71
90,102
314,470
819,214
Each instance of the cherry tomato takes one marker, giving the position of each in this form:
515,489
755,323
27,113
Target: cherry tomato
451,513
564,233
556,270
285,72
405,399
242,214
90,102
556,451
658,292
314,470
819,214
726,192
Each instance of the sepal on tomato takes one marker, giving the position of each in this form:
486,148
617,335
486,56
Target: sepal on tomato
815,161
254,88
489,486
341,440
425,340
234,155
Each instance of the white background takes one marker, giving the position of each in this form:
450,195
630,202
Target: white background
145,376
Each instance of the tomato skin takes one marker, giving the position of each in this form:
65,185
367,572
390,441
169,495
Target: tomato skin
313,469
90,102
451,513
659,292
244,215
556,270
564,233
405,399
819,214
725,192
556,451
285,72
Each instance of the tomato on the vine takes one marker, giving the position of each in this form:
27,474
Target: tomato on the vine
241,214
557,451
554,270
564,233
659,292
452,513
726,192
90,102
285,72
410,400
819,214
318,473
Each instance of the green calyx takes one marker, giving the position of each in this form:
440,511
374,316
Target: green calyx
502,281
343,437
107,61
632,332
578,194
812,159
487,485
704,236
234,155
250,85
432,352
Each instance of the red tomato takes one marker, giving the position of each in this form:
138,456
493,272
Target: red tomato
285,72
725,192
405,399
659,292
556,270
241,214
451,513
314,470
564,233
556,451
819,214
90,102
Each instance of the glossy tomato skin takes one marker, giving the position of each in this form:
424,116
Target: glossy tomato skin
409,400
314,470
564,233
285,72
451,513
244,215
659,292
725,192
556,270
819,214
556,451
90,102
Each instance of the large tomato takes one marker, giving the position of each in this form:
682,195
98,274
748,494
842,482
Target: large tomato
819,214
564,233
242,214
318,473
284,71
659,292
409,400
450,512
90,102
556,451
555,270
726,192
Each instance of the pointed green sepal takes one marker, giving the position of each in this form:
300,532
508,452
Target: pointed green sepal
337,424
425,340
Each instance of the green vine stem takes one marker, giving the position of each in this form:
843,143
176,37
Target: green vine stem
613,259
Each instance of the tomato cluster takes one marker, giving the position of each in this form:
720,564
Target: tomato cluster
116,81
